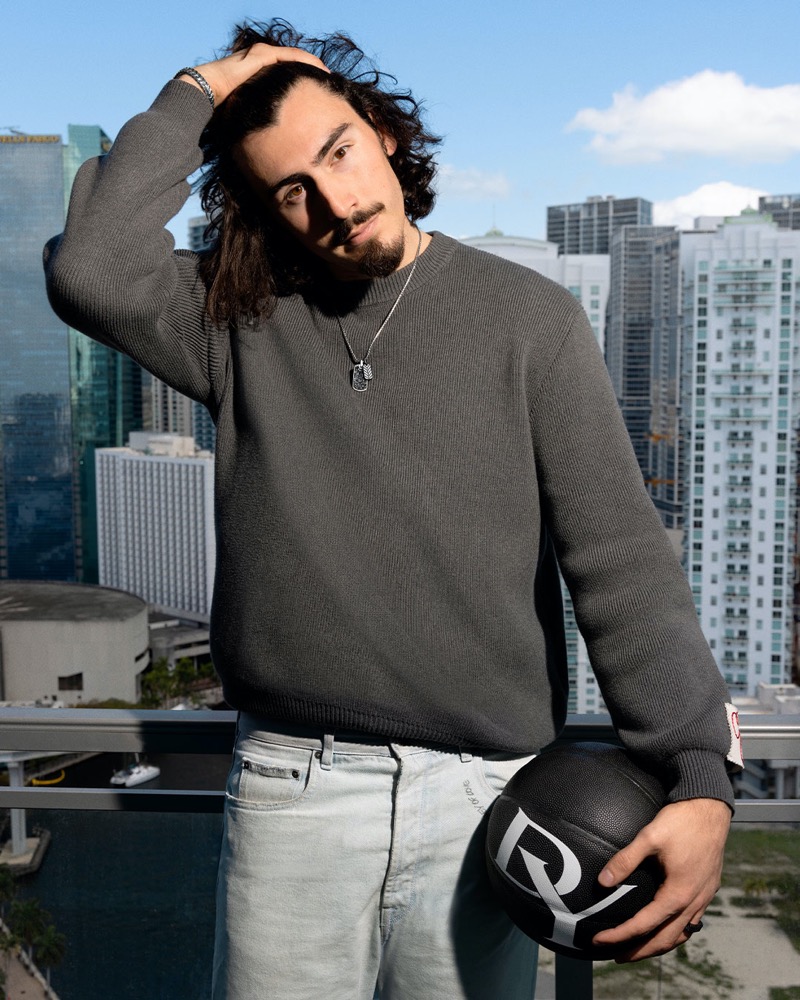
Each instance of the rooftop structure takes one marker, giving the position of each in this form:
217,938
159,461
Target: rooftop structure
587,227
87,643
784,209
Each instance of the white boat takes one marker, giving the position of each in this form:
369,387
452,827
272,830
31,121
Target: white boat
136,773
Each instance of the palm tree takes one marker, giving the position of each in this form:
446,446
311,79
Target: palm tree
28,920
51,946
8,889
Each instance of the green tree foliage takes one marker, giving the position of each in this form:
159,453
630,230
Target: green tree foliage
28,925
8,889
108,703
160,684
206,671
50,947
28,920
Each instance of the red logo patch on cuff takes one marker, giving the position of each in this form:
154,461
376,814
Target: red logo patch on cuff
735,756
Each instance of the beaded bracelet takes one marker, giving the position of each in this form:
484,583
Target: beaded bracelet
198,78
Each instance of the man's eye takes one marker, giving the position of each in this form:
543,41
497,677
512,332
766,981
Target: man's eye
340,153
294,193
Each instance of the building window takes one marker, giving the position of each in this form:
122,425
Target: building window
74,682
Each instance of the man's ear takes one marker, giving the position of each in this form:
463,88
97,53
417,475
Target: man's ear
388,142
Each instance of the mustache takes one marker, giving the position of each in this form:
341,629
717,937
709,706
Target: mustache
343,229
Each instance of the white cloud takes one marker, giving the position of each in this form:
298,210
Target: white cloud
471,184
708,114
722,198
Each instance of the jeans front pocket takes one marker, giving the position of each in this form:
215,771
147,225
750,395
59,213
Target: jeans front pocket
270,776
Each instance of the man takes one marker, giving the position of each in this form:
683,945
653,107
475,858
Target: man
408,432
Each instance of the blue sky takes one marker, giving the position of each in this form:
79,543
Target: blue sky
695,106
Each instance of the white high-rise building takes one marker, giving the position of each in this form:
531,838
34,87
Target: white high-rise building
740,412
171,411
155,520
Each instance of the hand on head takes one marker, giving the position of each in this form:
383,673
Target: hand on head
226,74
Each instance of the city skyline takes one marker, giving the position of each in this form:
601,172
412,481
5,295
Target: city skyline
697,109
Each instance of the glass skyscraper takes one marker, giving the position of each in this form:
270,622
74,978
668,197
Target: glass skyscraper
38,539
61,395
642,354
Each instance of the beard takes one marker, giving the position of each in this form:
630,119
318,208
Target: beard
377,260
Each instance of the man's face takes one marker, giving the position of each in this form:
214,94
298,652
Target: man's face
323,173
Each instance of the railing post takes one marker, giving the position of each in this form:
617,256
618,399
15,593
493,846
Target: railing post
16,779
573,978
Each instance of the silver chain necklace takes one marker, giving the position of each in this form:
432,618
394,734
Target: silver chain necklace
361,374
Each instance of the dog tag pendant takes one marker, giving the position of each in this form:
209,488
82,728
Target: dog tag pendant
360,378
362,373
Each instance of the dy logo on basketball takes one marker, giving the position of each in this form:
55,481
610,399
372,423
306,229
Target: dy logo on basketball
554,895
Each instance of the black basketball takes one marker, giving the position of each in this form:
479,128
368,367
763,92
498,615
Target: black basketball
550,833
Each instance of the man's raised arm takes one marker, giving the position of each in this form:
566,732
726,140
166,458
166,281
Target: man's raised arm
113,273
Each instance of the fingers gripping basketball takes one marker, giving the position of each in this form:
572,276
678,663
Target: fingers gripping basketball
551,833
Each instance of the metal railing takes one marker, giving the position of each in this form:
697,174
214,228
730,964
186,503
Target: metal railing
95,730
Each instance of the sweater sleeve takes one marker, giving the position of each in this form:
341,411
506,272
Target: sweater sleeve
114,274
632,602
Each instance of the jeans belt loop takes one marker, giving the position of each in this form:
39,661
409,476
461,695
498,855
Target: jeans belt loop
466,756
326,761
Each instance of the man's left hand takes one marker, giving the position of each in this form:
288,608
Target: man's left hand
688,839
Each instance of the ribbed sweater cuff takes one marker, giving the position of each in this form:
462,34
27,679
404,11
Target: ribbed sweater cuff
188,104
701,774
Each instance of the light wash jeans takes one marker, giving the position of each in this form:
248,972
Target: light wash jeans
348,866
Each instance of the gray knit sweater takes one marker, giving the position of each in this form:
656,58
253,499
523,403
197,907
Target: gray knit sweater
386,559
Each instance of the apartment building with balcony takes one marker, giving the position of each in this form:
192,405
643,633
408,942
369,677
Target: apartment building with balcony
740,413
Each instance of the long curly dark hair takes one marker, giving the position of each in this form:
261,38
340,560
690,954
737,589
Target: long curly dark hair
251,261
